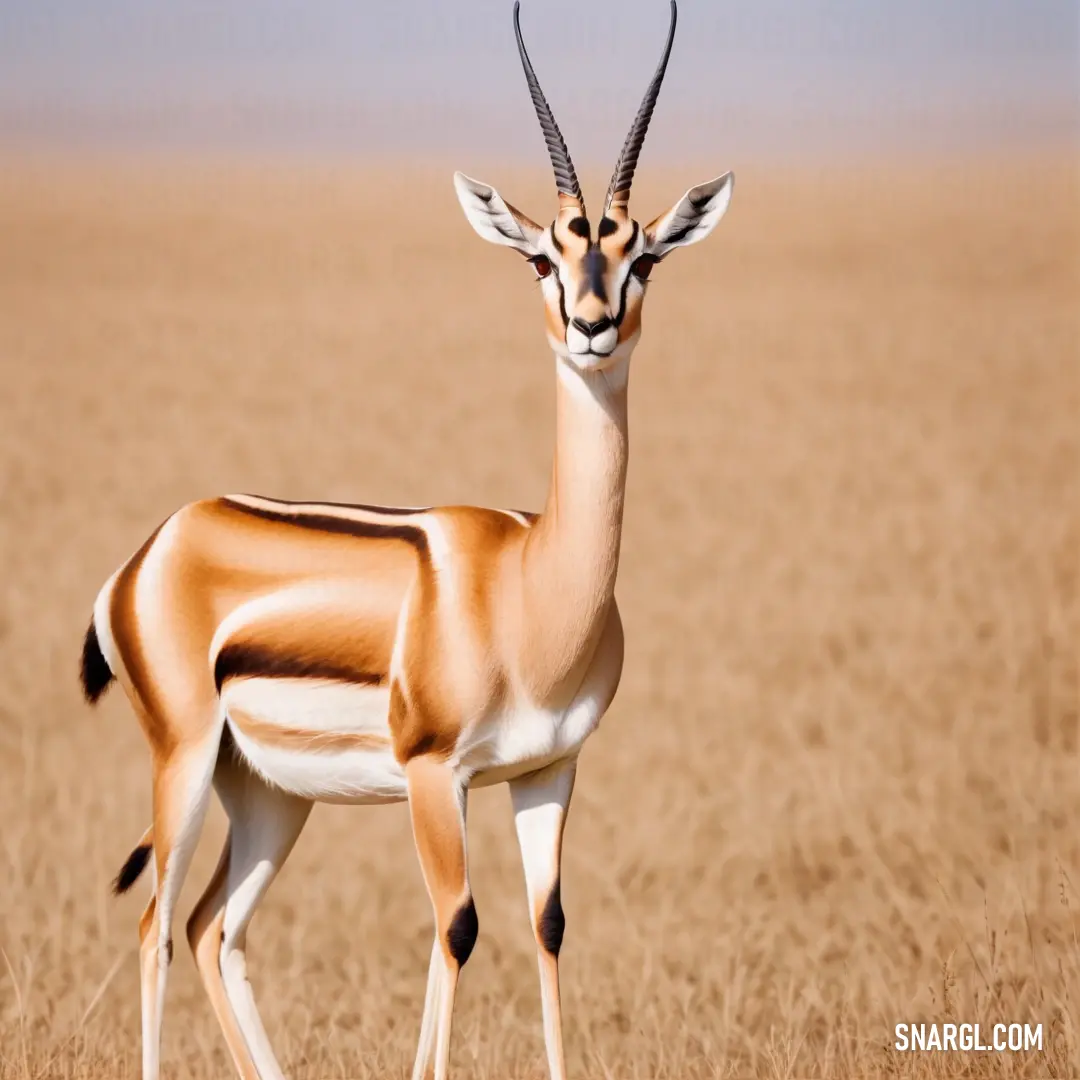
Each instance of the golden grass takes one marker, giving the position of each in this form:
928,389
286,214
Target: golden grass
839,787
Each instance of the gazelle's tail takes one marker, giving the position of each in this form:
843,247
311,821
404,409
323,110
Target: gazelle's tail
94,671
136,863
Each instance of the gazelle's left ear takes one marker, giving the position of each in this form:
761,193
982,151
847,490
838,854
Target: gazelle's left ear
691,219
494,219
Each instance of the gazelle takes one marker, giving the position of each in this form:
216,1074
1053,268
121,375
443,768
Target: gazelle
284,652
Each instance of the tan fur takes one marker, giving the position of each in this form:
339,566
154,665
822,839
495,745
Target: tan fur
124,622
440,837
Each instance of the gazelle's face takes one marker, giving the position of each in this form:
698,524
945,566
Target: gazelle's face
593,277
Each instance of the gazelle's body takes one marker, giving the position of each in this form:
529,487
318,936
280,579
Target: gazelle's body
334,644
286,653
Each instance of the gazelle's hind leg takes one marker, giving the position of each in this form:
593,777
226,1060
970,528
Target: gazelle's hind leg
181,792
204,933
264,823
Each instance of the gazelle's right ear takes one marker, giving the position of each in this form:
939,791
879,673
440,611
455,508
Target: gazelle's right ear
494,219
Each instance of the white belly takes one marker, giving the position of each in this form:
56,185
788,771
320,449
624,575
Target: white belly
328,741
296,743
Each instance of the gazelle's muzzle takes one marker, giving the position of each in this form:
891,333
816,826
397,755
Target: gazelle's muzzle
596,338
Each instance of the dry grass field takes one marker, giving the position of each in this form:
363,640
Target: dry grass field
840,786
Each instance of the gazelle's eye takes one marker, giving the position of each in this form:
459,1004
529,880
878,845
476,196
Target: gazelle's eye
542,265
642,267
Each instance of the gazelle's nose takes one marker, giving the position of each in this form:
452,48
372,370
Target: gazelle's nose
591,329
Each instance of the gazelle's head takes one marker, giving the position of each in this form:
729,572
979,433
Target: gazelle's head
593,274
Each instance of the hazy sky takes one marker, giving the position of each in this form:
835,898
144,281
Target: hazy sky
766,76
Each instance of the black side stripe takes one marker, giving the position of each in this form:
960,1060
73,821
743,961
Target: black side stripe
238,660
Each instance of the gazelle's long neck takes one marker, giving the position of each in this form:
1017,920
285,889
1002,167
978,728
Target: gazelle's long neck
572,554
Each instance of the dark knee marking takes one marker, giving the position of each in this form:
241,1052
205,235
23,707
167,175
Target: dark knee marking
463,932
168,951
552,922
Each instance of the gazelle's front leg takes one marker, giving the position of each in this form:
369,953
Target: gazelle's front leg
437,803
540,803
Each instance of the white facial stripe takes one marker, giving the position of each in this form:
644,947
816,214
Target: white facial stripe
546,243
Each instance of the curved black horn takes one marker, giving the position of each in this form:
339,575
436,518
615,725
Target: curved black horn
565,178
623,176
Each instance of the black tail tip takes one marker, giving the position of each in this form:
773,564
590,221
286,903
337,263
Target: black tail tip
130,871
94,671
